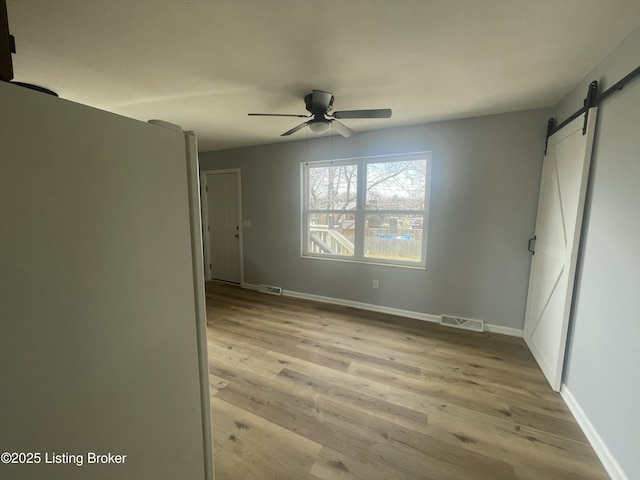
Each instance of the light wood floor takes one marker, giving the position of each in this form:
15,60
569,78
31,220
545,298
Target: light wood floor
305,390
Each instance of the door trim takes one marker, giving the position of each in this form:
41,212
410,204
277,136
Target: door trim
205,218
200,300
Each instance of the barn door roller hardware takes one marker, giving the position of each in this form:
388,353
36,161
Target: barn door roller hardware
592,100
589,101
551,124
7,45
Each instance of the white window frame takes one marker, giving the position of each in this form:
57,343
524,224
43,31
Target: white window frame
361,212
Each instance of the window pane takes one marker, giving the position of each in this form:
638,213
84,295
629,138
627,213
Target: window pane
394,237
332,187
331,233
396,185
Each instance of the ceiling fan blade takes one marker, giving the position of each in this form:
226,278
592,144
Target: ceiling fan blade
341,128
295,129
379,113
277,115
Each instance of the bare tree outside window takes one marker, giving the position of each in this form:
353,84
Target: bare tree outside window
333,187
396,185
368,209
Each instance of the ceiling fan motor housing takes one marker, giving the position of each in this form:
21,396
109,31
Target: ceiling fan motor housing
318,102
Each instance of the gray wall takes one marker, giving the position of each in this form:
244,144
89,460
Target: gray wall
603,355
483,200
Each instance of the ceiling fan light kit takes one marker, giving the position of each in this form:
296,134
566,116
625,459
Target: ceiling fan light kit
319,126
319,103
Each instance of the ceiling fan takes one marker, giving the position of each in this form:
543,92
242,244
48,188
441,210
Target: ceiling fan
319,104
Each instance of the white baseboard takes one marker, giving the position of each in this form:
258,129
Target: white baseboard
364,306
514,332
599,446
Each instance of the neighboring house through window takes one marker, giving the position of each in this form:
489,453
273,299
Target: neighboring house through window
371,210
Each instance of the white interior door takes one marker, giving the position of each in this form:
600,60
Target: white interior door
223,226
558,224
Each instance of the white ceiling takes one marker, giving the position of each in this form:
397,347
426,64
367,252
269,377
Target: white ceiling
205,64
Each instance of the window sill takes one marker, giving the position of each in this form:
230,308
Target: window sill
366,262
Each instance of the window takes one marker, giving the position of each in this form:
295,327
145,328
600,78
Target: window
371,210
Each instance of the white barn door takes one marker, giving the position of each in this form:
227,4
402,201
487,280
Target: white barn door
557,237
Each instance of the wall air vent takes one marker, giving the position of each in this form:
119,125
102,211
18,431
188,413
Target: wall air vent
464,323
271,290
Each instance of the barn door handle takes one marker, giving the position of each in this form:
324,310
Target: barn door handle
532,250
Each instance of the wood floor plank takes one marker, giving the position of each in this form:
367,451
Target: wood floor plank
253,358
216,383
333,465
413,453
329,395
347,356
317,357
262,447
330,376
441,391
308,390
523,447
